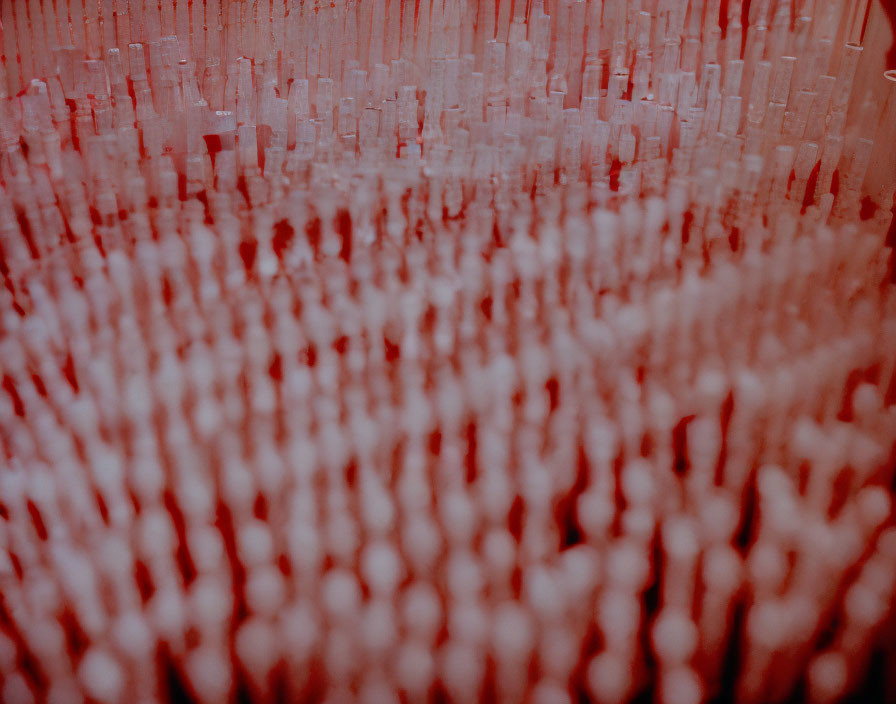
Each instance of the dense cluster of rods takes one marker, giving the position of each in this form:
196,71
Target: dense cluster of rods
443,351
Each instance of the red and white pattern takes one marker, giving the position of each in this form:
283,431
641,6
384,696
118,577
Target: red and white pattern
443,351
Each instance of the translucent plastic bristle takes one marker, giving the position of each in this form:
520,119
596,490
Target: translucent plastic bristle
448,351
